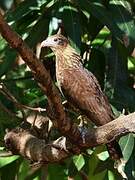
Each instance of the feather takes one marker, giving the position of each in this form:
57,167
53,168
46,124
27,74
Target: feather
80,86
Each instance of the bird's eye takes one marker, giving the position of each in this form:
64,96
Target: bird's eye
56,39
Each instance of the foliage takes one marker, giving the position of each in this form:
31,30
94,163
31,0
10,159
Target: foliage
103,32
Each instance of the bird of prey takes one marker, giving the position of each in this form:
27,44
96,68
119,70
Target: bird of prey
80,86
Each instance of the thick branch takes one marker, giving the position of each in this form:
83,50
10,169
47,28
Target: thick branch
22,142
110,131
43,78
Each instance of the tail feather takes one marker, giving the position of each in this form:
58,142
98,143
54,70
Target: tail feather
116,154
114,150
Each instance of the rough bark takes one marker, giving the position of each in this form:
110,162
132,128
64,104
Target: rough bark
24,143
56,111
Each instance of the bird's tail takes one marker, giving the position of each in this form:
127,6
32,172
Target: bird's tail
116,154
114,150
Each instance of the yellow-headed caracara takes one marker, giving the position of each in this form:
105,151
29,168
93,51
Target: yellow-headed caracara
80,86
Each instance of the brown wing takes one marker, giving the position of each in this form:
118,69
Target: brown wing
82,89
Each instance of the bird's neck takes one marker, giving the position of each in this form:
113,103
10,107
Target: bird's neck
67,58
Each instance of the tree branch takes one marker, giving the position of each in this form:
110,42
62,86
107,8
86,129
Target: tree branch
22,142
43,78
110,131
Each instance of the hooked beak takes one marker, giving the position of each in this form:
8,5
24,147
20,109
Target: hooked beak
47,43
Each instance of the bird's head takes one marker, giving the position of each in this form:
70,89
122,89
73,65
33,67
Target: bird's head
55,42
62,49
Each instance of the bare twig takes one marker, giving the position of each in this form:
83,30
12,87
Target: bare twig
4,90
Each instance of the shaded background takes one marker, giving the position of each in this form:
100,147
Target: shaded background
103,32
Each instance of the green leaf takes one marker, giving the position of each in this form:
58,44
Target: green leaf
96,65
101,38
130,166
79,161
23,170
123,18
127,145
94,26
7,160
9,171
57,171
6,4
25,24
7,60
110,175
103,155
71,20
100,175
120,92
116,16
29,173
107,165
72,169
93,163
2,44
22,10
39,31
